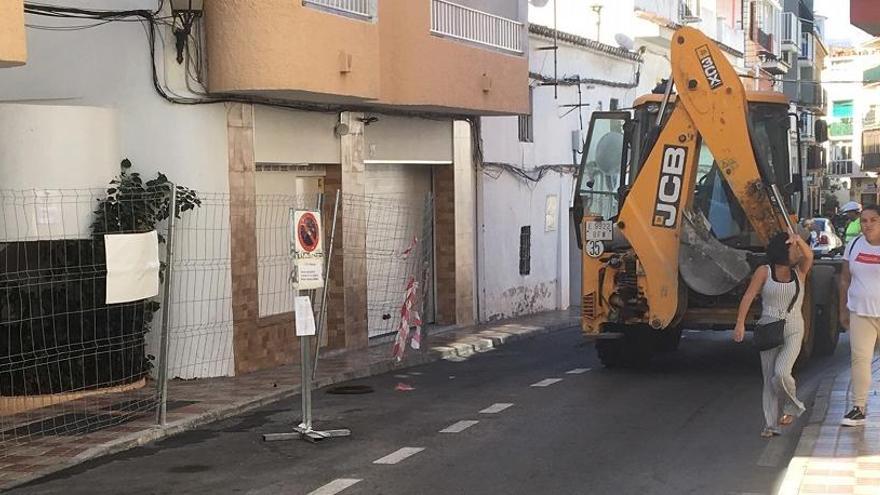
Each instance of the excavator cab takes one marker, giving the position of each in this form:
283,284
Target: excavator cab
615,150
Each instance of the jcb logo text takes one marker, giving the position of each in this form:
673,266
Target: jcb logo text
670,186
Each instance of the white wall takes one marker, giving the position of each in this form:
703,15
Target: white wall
506,203
108,66
44,149
393,138
292,136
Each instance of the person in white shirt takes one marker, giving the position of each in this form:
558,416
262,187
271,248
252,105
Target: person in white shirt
860,307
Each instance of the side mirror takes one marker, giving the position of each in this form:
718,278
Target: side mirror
821,131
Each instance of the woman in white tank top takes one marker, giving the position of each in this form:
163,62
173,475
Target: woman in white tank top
788,256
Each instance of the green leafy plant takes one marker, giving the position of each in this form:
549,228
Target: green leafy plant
62,336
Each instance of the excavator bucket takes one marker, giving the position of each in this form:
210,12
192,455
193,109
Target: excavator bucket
707,265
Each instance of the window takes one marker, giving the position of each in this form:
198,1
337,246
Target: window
525,250
526,126
613,104
843,109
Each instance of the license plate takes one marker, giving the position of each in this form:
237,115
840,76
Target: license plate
599,230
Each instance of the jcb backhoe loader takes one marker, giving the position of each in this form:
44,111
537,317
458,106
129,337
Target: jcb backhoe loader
675,203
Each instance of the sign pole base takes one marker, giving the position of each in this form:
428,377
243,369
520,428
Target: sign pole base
307,434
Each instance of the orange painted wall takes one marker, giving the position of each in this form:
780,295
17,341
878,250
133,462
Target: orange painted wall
422,69
13,44
280,45
277,47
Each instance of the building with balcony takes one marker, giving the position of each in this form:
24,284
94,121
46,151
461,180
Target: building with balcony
277,99
853,126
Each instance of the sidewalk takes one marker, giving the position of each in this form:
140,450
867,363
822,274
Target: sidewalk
197,402
831,458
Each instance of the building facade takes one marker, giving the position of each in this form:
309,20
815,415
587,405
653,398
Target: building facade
852,122
373,98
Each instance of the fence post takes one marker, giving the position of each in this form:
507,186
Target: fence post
161,413
323,315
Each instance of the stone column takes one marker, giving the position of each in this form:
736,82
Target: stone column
465,223
354,231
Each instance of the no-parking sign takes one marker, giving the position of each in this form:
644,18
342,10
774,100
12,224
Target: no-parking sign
307,249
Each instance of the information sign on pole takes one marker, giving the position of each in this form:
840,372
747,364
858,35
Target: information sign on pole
307,249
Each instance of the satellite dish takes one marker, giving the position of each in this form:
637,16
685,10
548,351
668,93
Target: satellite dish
624,41
538,3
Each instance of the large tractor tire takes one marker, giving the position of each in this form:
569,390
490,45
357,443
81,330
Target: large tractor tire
826,328
633,350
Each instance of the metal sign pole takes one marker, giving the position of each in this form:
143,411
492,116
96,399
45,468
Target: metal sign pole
305,430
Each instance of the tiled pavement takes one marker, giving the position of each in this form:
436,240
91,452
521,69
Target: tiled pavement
831,458
196,402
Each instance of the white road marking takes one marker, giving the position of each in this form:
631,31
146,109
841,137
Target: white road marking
416,373
395,457
577,371
547,382
401,376
459,427
335,486
496,408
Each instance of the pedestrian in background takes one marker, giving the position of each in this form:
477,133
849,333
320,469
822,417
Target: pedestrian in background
860,308
853,228
781,285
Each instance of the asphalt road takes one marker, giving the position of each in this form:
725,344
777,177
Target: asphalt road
690,423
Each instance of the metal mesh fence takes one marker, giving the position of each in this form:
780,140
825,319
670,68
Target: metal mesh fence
71,364
398,246
62,347
200,335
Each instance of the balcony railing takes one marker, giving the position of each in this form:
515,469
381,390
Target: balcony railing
871,120
812,95
791,31
842,128
840,167
359,8
467,24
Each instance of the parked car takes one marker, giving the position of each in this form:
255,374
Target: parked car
823,239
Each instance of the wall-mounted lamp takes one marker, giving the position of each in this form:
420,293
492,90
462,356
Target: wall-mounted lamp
185,13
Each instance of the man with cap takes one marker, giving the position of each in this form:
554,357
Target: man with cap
852,210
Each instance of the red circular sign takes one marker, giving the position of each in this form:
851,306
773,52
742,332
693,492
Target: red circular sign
307,232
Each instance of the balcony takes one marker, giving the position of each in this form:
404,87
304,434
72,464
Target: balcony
815,157
844,128
872,75
464,23
13,43
872,119
871,149
807,53
813,96
791,32
355,8
840,167
430,55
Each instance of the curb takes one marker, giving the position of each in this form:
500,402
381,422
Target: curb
458,350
